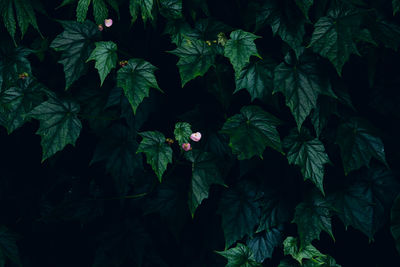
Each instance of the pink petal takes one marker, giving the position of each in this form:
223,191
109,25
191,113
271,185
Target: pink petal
195,136
108,22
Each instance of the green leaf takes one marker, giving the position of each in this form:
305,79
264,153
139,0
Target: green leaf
291,247
334,36
312,217
182,132
195,58
396,6
285,19
386,33
205,173
143,7
301,81
8,247
76,44
18,101
239,256
309,154
365,202
158,152
257,79
251,132
7,11
136,78
13,61
105,55
82,9
263,245
118,149
59,124
240,213
171,9
320,116
239,48
100,11
359,142
395,222
304,6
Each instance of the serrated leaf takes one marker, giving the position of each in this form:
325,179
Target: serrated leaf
171,9
158,152
240,213
257,79
251,132
105,55
136,78
141,7
82,9
13,61
312,217
395,222
182,132
301,81
59,124
309,154
100,11
334,36
239,48
25,16
76,44
7,11
118,149
195,58
205,173
291,247
239,256
365,203
359,142
8,247
18,101
263,244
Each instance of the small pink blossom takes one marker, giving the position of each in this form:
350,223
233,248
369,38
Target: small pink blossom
108,22
186,146
100,27
195,136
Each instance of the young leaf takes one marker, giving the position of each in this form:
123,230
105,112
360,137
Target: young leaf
158,152
59,124
358,142
251,132
257,79
8,247
301,81
312,217
136,78
205,172
18,101
291,247
263,245
105,55
395,222
239,48
195,58
144,7
182,132
239,256
334,35
76,44
365,203
240,213
309,154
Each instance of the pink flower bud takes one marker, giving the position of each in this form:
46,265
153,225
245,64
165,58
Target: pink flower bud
195,136
108,22
186,146
100,27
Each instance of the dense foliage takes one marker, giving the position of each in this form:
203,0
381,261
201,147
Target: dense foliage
199,133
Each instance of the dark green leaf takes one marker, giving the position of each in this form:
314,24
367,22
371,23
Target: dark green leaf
304,6
100,11
239,48
182,132
82,9
291,247
251,132
195,58
142,7
396,6
239,256
158,153
105,55
13,61
240,213
263,244
136,78
76,44
359,142
8,247
59,124
309,154
204,174
171,8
